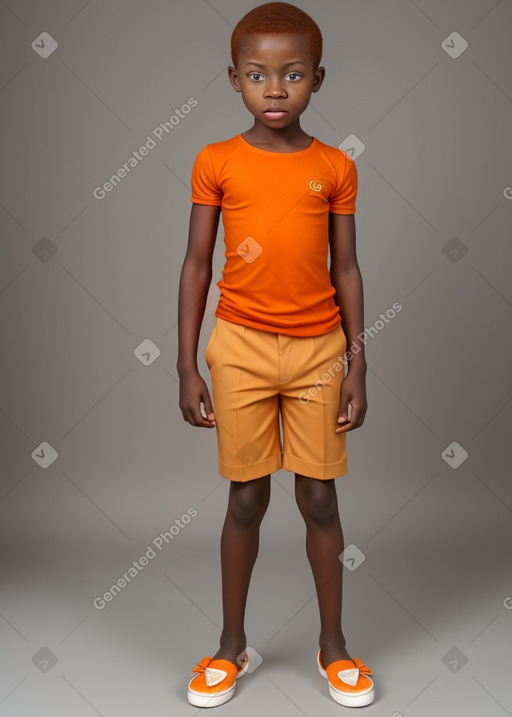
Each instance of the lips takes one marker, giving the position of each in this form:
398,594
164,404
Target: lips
275,113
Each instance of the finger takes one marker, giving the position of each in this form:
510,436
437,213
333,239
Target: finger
344,417
343,411
203,421
193,416
346,427
207,422
208,406
356,418
361,415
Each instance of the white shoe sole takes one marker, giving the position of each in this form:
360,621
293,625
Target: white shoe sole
199,699
348,699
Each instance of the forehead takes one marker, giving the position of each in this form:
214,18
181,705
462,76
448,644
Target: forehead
281,47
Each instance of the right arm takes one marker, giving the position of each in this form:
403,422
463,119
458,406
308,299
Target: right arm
196,276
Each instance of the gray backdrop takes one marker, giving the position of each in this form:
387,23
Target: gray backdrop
98,464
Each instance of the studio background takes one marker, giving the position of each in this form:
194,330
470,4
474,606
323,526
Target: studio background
97,462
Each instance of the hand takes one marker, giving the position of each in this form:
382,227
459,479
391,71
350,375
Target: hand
193,392
353,391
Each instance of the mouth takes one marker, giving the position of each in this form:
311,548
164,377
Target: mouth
275,113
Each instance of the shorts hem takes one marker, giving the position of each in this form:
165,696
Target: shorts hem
315,470
244,473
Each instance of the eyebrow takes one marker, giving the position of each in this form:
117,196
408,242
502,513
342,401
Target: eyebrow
286,64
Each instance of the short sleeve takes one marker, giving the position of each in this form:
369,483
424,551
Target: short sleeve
343,198
205,189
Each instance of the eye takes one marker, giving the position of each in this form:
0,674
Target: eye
293,75
252,76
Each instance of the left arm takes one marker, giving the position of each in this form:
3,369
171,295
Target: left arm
347,281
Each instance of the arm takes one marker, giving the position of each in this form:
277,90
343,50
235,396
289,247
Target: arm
196,276
347,281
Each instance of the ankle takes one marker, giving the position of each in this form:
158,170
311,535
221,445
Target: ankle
332,640
229,641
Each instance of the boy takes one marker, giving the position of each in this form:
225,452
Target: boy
278,345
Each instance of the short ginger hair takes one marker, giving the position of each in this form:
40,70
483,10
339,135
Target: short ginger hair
274,18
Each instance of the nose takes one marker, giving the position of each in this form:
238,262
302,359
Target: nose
274,88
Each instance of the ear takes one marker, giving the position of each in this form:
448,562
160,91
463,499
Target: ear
233,78
318,79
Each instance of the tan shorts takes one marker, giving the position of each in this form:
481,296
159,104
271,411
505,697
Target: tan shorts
260,378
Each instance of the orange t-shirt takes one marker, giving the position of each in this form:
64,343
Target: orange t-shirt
275,212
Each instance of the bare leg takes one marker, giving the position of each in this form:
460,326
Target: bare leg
248,502
318,504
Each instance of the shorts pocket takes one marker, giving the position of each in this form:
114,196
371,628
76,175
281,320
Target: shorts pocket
343,340
208,352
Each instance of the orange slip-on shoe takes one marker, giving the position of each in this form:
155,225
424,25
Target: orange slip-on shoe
349,681
215,681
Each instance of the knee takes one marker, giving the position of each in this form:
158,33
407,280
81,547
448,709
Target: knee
248,502
317,501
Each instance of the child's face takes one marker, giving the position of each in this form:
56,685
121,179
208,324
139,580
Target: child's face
275,71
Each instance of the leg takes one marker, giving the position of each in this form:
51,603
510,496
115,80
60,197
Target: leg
248,502
318,504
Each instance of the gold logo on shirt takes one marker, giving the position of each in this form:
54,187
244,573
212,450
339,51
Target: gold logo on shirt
315,185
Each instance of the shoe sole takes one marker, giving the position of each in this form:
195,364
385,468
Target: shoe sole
198,699
342,698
